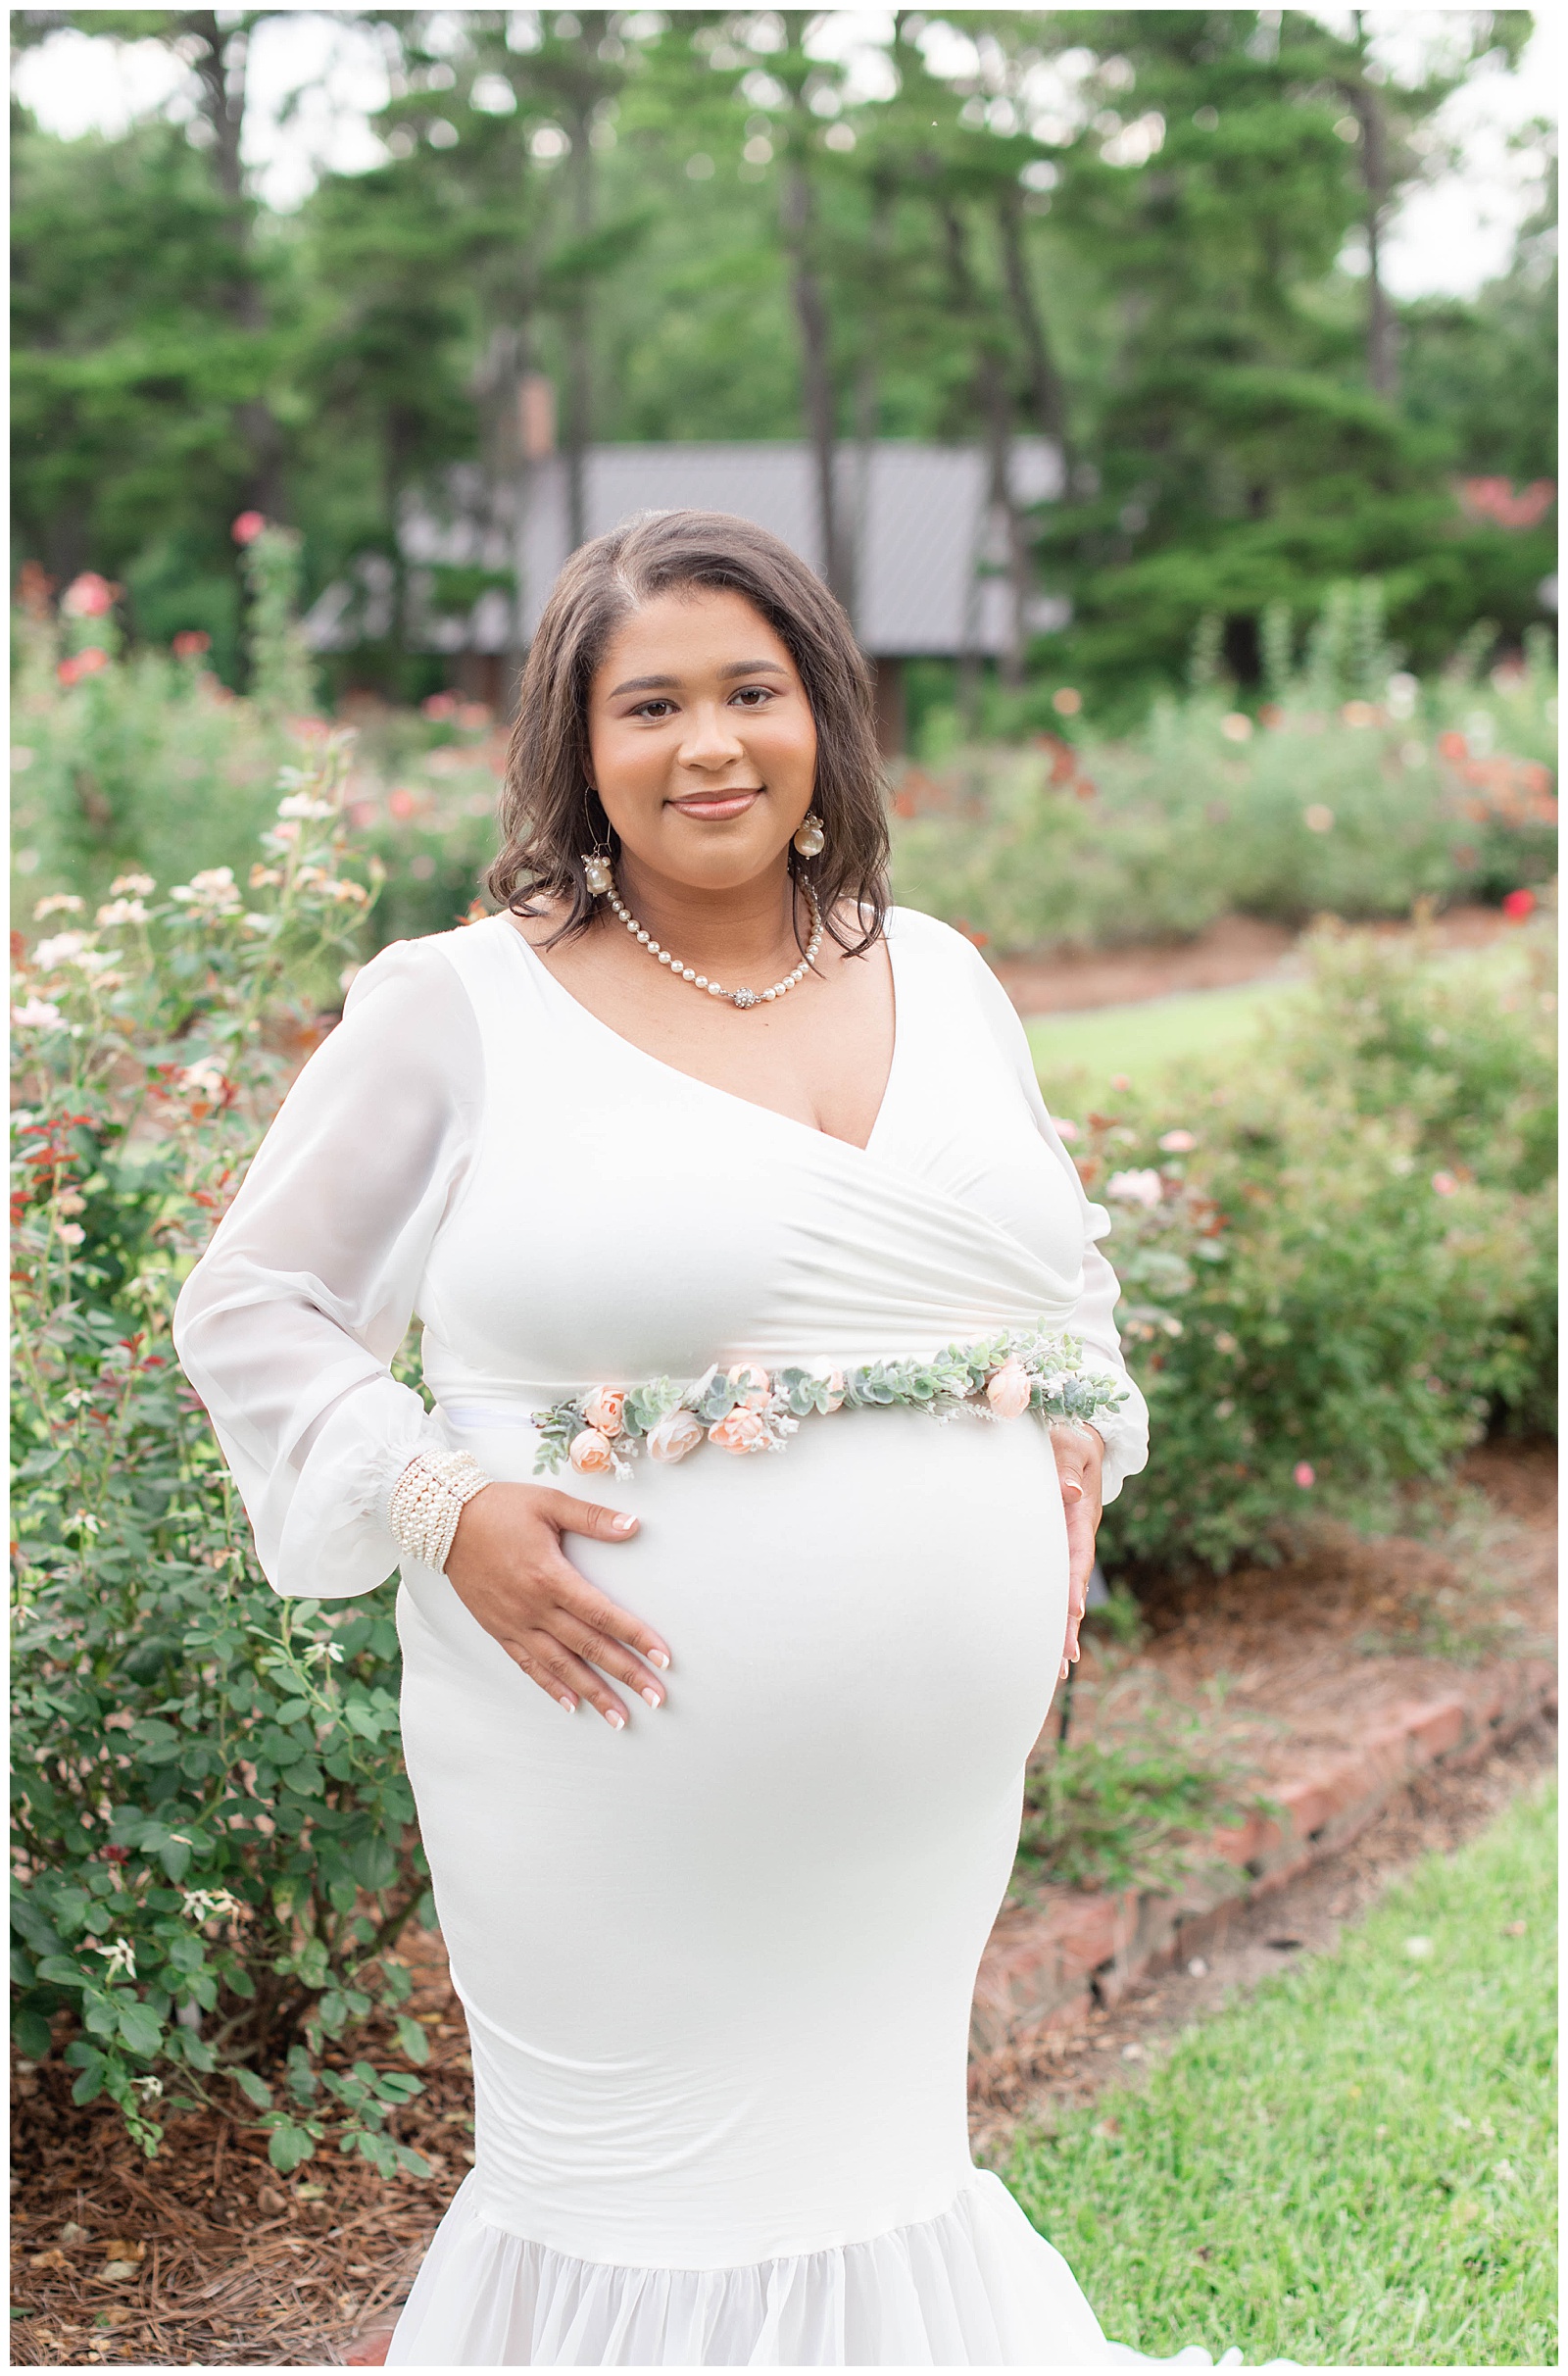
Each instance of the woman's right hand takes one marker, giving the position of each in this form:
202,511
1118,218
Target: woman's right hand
509,1568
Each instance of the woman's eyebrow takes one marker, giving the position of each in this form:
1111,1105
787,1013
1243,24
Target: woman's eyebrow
671,684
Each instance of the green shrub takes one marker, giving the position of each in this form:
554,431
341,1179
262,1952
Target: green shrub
212,1833
146,762
1338,1262
1354,807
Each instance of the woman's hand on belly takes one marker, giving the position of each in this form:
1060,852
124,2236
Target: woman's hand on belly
1079,1458
509,1568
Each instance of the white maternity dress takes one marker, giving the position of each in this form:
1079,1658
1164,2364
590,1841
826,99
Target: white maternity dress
717,1967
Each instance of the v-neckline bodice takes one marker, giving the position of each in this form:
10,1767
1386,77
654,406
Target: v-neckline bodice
733,1097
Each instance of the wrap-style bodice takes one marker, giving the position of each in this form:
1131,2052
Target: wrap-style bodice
561,1209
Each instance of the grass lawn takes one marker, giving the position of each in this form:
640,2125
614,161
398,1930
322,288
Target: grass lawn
1146,1037
1357,2167
1077,1053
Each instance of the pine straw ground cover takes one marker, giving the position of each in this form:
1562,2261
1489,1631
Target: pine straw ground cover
206,2256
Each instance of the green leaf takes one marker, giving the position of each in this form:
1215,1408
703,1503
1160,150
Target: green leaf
141,2028
251,2084
411,2038
30,2035
288,2146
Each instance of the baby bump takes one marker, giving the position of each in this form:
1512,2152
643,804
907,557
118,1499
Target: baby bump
866,1631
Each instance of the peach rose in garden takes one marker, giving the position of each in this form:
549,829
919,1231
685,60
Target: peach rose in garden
591,1454
677,1433
742,1431
1008,1391
604,1408
755,1381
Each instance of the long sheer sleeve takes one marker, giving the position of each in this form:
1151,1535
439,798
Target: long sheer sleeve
1126,1429
289,1324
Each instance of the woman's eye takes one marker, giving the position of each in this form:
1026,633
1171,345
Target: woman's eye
754,696
655,709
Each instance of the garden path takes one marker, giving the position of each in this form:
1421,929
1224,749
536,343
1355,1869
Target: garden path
1235,949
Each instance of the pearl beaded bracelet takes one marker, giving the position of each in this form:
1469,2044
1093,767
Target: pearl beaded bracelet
427,1502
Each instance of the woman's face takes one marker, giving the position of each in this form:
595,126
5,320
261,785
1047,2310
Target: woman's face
701,743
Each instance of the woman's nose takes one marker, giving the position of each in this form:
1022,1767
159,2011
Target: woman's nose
710,739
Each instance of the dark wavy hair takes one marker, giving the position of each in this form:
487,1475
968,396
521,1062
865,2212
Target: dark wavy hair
549,814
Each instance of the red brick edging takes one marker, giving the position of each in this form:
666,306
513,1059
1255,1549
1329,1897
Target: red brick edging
1045,1966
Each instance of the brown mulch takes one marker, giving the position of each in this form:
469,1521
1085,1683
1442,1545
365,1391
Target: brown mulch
1302,1660
1235,949
219,2261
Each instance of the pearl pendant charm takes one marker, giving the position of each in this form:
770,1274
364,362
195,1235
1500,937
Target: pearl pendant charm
596,866
809,839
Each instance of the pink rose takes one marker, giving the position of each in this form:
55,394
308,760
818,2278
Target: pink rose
604,1408
1306,1474
1008,1390
591,1454
248,526
742,1431
757,1383
88,596
677,1433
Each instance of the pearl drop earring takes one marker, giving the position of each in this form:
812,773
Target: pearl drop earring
810,838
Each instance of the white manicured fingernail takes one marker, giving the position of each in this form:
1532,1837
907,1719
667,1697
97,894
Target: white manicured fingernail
658,1658
570,1705
614,1720
650,1696
623,1525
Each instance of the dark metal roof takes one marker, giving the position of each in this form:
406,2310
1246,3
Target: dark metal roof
926,547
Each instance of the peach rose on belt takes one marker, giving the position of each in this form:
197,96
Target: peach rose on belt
604,1408
591,1454
677,1433
1008,1390
744,1430
755,1382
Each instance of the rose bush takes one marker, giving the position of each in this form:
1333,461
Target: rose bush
1339,1259
1354,806
213,1841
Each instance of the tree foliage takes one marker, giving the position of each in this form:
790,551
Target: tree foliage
1122,229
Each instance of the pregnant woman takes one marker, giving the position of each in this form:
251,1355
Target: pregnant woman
726,1197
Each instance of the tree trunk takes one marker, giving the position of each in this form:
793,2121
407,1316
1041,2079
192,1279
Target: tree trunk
579,424
498,390
995,413
797,215
1047,393
1382,329
220,70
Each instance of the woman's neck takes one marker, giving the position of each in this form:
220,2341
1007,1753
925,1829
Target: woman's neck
735,933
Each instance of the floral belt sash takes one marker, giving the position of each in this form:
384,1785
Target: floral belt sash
747,1409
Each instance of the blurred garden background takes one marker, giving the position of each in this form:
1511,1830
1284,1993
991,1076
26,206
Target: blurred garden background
1170,396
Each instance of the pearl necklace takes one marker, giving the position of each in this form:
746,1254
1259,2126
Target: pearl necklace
700,981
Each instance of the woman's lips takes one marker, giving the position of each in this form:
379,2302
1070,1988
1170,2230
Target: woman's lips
733,803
